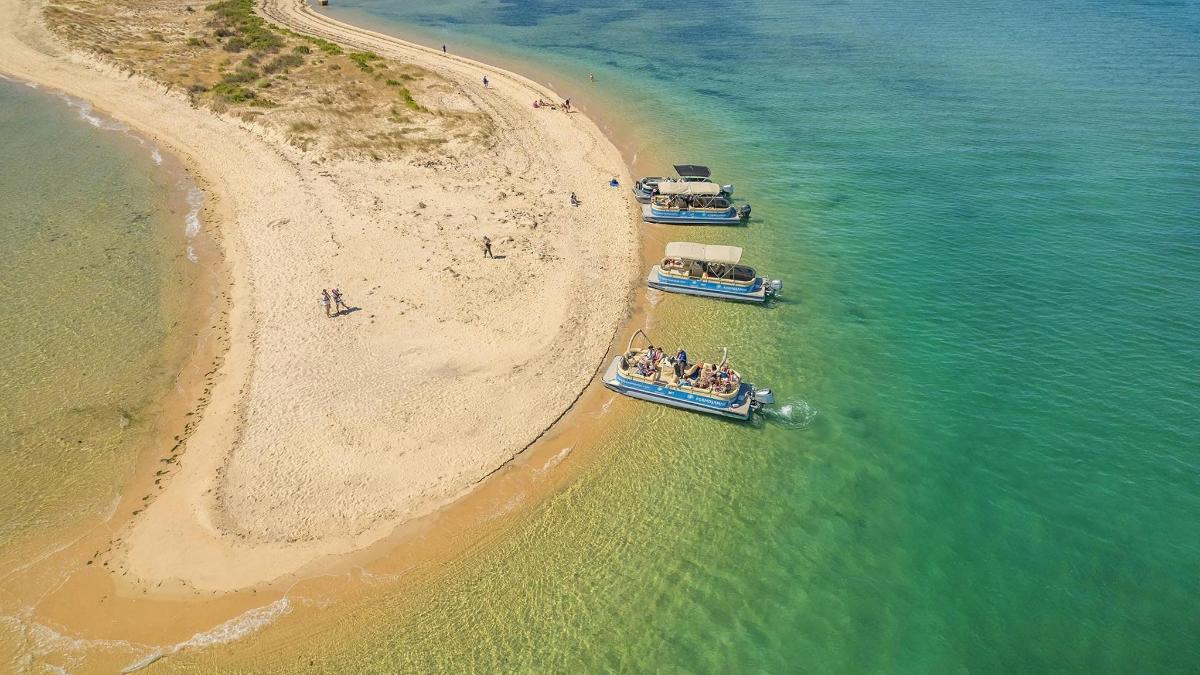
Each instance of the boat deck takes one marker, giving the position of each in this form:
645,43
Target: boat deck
678,397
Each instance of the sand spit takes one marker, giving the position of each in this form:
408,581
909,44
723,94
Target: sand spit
322,435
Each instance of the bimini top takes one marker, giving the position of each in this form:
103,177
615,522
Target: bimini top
704,252
680,188
688,170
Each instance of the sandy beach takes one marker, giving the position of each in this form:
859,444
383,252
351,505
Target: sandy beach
321,435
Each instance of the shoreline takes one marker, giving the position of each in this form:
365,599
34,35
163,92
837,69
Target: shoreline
218,213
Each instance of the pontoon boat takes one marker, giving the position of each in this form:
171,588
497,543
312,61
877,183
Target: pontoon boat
703,387
710,271
645,188
693,204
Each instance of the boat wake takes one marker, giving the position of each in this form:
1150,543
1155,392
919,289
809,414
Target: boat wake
797,414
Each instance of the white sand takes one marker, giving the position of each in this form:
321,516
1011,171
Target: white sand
324,434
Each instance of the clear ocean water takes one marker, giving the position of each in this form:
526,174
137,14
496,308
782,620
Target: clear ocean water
987,453
96,281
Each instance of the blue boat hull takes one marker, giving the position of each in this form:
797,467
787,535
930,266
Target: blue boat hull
652,215
738,408
708,289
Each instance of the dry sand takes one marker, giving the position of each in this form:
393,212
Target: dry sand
322,435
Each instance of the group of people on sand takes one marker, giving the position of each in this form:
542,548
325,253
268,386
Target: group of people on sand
540,103
333,302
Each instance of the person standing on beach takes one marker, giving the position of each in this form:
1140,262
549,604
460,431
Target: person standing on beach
485,82
325,301
339,303
487,247
443,49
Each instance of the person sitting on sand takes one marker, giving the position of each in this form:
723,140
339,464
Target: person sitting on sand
574,200
567,105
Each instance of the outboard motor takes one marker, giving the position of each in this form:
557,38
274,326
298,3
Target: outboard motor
761,397
727,189
774,286
744,212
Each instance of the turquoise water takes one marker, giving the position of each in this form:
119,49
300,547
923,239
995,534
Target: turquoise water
987,454
96,282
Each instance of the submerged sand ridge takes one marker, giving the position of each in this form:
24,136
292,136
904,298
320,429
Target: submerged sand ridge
323,434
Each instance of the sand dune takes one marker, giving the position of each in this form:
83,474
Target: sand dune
323,434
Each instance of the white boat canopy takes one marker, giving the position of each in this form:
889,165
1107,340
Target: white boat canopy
681,188
704,252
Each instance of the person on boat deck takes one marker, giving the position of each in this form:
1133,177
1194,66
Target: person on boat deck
681,357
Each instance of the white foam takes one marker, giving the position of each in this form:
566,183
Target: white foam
31,85
143,662
654,296
195,199
42,640
798,415
191,255
156,156
606,405
238,627
5,78
555,460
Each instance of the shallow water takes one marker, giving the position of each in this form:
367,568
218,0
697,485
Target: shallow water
93,254
986,456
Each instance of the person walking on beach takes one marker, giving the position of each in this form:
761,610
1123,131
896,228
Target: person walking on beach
325,302
487,247
443,49
339,303
485,82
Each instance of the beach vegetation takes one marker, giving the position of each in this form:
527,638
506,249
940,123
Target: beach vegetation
362,103
322,44
233,93
409,101
240,76
363,60
237,18
283,63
